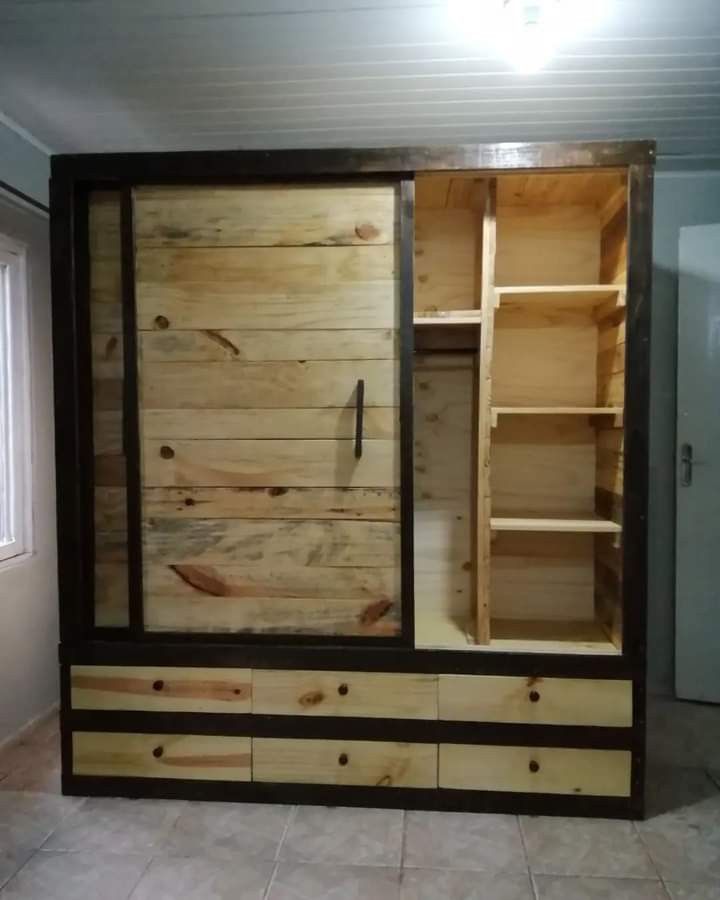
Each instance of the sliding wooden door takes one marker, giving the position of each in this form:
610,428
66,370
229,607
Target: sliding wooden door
268,320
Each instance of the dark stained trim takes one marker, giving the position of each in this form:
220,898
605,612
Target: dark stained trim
131,416
378,658
221,165
637,458
330,795
414,731
407,450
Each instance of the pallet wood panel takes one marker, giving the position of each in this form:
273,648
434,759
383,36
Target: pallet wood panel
271,215
365,694
191,756
535,700
588,188
161,689
372,763
271,542
268,385
267,346
445,260
333,423
543,770
372,504
269,463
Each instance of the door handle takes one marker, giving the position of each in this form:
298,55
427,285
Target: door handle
359,410
686,465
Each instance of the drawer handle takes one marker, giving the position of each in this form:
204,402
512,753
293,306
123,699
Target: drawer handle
359,410
167,452
158,752
158,685
343,759
161,322
534,766
533,696
343,690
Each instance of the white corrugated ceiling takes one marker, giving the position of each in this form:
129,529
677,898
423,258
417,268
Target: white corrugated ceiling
95,75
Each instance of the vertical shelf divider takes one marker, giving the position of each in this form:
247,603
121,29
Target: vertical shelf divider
483,418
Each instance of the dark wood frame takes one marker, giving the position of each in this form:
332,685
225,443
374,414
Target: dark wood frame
72,177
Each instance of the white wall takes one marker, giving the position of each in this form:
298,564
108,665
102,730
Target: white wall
28,589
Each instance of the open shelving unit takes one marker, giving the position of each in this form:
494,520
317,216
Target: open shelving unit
519,385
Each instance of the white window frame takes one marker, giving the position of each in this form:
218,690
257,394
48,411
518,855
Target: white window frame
15,437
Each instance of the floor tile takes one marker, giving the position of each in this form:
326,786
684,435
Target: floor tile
76,876
224,830
309,881
670,788
450,884
560,846
27,819
680,733
715,776
446,840
685,844
116,826
193,878
344,836
693,891
11,861
553,887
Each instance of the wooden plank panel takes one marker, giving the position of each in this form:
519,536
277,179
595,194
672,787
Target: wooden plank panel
445,260
267,215
267,385
111,594
366,694
535,700
264,346
373,504
373,763
192,756
547,245
110,508
272,543
379,422
161,689
599,773
270,463
341,615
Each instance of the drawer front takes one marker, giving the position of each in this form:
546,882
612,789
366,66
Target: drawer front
186,756
370,763
371,694
543,770
161,689
541,701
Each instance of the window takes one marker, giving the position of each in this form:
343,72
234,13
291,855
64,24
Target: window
15,447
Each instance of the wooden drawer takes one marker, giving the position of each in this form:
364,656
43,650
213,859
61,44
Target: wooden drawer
537,770
193,756
371,694
371,763
541,701
161,689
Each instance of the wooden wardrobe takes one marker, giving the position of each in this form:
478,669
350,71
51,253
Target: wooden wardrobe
352,475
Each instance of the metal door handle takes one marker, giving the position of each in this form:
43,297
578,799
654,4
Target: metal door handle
359,409
686,465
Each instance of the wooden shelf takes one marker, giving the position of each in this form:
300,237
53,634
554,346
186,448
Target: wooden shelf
592,411
459,317
589,525
571,296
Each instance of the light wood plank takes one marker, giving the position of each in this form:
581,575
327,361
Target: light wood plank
444,260
187,756
372,504
278,385
379,422
541,701
595,773
270,463
267,215
594,525
372,763
365,694
161,688
111,595
559,296
271,543
265,346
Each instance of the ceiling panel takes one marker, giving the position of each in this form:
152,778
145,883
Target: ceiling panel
91,75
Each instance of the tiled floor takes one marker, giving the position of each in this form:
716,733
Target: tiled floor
61,848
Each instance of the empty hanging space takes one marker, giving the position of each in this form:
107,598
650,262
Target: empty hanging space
557,395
